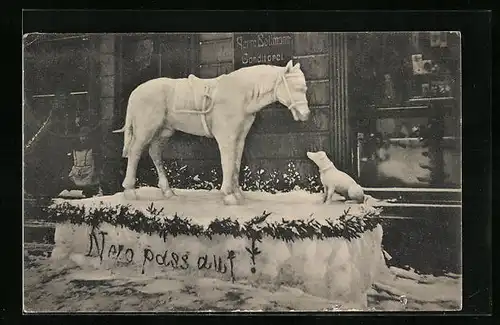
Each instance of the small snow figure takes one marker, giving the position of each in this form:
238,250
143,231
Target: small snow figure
334,180
403,300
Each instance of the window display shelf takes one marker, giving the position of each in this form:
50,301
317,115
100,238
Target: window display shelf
431,99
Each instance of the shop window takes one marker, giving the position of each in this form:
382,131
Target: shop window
58,64
57,74
58,81
405,93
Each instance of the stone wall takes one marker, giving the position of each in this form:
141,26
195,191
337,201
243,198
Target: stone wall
275,138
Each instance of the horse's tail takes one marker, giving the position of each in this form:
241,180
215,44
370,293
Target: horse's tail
128,133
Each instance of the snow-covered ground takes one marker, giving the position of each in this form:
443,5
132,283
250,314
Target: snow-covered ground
66,287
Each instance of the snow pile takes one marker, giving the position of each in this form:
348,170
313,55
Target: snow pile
64,287
204,205
73,194
404,290
335,268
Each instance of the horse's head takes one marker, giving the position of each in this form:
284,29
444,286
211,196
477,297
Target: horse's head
291,90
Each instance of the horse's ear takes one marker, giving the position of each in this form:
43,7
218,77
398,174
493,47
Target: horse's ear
297,66
289,66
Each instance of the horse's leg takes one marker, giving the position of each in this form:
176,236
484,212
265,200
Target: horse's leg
133,158
240,146
227,147
143,133
155,152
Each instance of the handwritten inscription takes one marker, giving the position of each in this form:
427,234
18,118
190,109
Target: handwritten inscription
98,244
168,258
262,48
113,252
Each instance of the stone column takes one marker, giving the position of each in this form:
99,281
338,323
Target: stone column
111,144
342,139
107,79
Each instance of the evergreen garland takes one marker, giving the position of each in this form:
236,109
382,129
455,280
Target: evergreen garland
346,226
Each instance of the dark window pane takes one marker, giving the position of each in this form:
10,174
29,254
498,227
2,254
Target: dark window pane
62,64
404,145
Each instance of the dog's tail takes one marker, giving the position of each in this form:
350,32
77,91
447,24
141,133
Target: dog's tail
356,192
128,131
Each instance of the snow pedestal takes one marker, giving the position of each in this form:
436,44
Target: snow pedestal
338,269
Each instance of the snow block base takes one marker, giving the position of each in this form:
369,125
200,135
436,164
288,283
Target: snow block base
337,269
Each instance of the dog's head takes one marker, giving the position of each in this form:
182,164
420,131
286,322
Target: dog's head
318,157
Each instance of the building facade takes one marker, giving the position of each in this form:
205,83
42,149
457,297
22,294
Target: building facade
385,106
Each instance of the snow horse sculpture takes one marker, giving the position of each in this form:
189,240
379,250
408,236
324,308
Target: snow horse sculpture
223,108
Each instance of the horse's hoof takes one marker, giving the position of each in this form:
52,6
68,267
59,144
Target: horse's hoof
231,200
239,195
167,194
130,194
